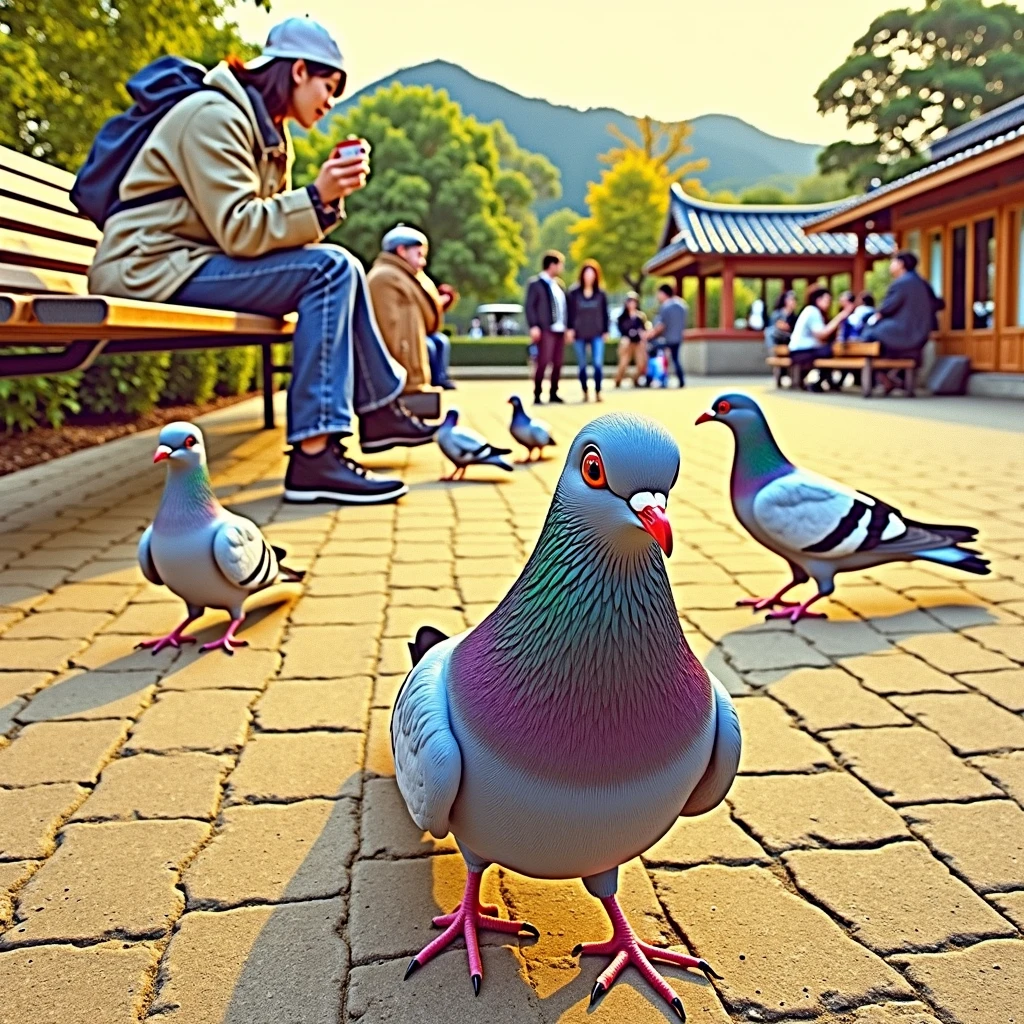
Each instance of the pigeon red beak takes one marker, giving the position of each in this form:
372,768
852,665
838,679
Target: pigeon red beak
162,452
704,417
656,523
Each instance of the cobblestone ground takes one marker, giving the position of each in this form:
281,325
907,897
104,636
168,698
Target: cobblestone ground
205,839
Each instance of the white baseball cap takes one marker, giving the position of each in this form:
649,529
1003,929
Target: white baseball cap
302,39
402,234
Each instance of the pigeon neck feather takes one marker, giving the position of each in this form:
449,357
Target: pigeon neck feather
758,458
188,500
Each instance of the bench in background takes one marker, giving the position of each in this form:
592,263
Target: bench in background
864,356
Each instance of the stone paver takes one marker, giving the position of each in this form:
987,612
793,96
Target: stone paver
235,822
134,895
274,853
67,985
980,985
897,898
260,965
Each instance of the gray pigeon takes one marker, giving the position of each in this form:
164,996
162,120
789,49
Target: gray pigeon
567,732
818,526
534,435
209,557
465,447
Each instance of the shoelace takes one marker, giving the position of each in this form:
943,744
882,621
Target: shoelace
349,463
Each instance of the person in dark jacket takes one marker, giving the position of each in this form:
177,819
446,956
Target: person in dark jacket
588,325
781,321
632,324
907,314
546,315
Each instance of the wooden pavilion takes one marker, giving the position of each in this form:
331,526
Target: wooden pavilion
727,241
963,215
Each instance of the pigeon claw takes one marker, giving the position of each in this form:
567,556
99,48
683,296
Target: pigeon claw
708,970
414,966
174,640
599,990
677,1005
476,984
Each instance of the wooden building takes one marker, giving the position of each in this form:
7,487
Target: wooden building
707,240
963,215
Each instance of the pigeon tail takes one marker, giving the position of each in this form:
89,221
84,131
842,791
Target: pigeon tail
954,534
292,575
957,558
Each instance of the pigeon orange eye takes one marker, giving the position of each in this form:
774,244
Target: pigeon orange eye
593,469
723,407
190,442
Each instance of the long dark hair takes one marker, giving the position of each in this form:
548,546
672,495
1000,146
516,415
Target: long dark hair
596,268
815,293
273,81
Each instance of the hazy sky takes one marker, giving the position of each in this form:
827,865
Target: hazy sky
758,59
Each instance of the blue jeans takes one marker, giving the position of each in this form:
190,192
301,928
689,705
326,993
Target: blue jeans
673,351
439,350
339,359
597,357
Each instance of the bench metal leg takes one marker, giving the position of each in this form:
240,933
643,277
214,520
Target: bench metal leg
867,378
911,381
268,385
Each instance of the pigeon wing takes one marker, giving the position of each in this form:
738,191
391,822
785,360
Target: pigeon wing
725,757
146,563
428,762
242,554
541,433
803,513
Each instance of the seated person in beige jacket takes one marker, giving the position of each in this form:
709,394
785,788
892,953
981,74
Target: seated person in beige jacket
227,230
408,305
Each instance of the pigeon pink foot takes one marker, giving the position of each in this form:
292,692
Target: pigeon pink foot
625,948
228,641
795,614
469,916
173,639
759,604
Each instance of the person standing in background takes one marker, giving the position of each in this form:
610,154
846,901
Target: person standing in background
632,326
588,325
546,315
670,326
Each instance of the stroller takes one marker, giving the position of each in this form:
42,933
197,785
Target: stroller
657,366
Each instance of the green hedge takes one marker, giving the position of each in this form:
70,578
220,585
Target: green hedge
511,352
124,385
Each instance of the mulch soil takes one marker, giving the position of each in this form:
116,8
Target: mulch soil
19,451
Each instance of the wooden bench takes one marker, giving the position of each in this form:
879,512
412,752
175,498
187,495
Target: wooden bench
46,247
864,356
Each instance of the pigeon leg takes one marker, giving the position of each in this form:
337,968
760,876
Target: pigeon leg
228,641
800,611
467,917
625,948
758,604
175,638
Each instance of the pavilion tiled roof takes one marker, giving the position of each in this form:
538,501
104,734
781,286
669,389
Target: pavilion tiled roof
704,228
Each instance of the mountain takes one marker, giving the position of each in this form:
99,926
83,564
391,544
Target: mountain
740,155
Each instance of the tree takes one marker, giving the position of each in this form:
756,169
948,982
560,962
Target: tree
764,195
627,210
63,63
664,144
555,232
436,168
917,74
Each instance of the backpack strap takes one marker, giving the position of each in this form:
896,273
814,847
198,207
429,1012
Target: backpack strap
174,192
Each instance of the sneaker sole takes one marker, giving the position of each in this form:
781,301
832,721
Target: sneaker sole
344,497
394,442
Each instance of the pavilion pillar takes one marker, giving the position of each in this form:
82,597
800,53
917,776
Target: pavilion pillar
727,308
787,284
859,261
679,284
702,301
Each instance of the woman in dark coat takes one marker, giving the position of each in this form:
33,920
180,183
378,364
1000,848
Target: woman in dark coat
632,324
587,316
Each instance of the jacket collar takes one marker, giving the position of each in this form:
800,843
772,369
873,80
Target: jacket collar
271,140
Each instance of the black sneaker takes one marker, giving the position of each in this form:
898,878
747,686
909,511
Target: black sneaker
555,400
391,427
331,476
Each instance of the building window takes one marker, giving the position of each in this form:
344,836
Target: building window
914,242
1020,268
935,266
958,297
983,306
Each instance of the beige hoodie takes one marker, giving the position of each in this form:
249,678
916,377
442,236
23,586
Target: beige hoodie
238,198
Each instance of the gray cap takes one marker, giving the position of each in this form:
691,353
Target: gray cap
301,39
402,234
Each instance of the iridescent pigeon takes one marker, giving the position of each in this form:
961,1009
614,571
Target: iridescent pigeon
533,435
464,447
209,557
568,731
818,526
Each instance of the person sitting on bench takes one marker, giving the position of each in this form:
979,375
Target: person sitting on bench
811,337
224,229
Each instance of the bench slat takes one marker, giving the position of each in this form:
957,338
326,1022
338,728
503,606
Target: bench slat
852,363
12,160
33,279
18,186
856,348
39,220
44,253
98,314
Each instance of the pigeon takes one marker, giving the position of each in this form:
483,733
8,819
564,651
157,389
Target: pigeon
533,435
209,557
465,447
567,732
819,526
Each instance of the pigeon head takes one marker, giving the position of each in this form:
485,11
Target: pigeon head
451,418
734,410
616,481
516,402
181,445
